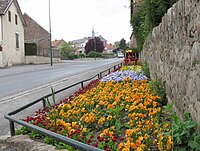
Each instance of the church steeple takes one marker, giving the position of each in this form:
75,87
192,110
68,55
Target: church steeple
93,33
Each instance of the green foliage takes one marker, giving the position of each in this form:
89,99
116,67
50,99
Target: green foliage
116,44
158,88
72,56
30,49
94,54
58,145
145,68
23,130
66,49
108,55
122,44
182,131
81,55
148,16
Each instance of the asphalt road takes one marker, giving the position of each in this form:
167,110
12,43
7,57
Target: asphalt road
20,85
23,78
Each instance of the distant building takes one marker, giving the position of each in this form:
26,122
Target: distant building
79,44
103,40
109,48
12,26
57,43
36,34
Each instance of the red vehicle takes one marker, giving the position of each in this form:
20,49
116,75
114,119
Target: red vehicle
131,57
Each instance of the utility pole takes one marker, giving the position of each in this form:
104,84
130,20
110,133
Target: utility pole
51,60
93,35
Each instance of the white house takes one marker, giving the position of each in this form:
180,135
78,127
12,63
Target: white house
11,33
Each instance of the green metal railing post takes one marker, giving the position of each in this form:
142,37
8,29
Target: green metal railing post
12,128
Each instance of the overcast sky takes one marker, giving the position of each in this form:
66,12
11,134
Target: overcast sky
74,19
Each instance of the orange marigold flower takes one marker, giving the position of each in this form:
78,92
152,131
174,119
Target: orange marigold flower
110,106
133,145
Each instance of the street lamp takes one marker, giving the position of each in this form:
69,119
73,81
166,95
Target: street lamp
95,47
51,60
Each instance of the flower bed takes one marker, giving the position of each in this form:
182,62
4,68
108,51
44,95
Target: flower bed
117,113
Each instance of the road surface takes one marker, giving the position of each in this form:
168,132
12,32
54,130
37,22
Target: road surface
21,85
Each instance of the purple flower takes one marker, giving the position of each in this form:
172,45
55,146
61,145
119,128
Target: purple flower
121,75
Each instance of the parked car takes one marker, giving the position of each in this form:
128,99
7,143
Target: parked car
120,55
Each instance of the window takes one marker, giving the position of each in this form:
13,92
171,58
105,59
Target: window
16,22
17,39
9,16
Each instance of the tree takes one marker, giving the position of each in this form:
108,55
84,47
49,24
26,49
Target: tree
122,44
116,44
94,44
65,49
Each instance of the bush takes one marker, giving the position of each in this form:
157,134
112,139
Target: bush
108,55
158,88
145,68
72,56
81,55
93,54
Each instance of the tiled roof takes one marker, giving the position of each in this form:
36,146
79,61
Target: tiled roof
80,41
109,46
4,5
34,30
56,43
102,39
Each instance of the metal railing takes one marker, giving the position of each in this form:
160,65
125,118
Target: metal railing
74,143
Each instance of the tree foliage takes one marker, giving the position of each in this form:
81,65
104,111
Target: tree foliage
122,44
148,16
65,49
94,44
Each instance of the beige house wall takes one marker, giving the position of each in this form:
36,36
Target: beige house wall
10,54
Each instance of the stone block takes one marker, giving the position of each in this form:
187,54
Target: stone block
195,54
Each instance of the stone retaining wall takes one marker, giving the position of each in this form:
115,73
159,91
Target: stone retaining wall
173,53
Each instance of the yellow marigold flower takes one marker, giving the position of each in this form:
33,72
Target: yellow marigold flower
146,136
169,142
102,134
154,141
83,110
73,124
84,130
112,127
155,131
120,145
109,117
101,120
76,112
87,120
165,125
143,146
129,132
69,128
126,149
160,136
